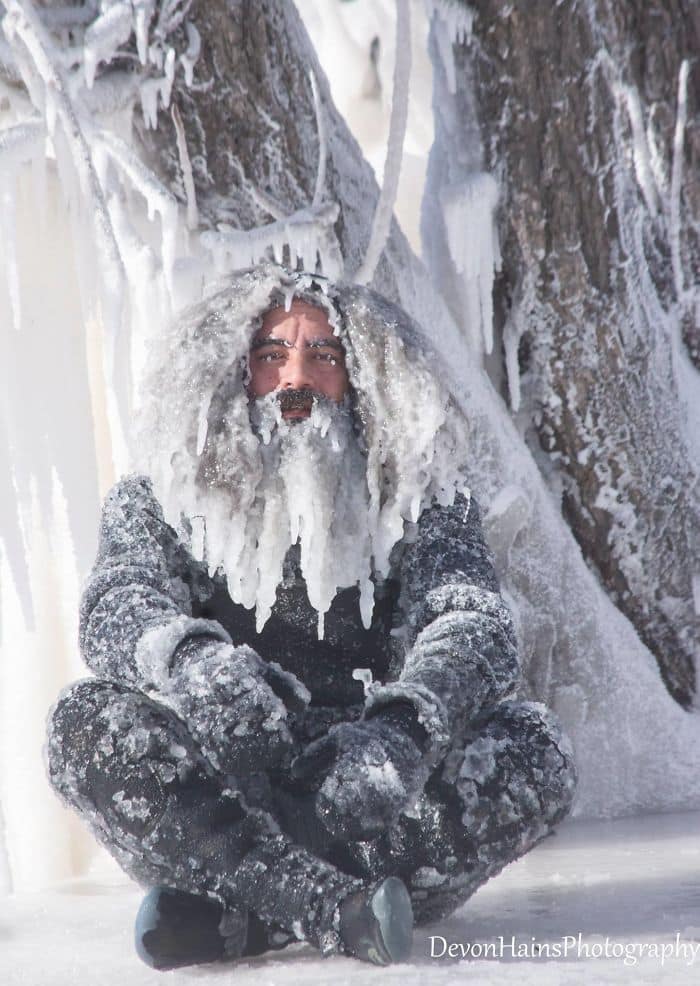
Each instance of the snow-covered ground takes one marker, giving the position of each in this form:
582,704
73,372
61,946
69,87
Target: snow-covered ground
629,887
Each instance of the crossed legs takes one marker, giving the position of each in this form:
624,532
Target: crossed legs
130,767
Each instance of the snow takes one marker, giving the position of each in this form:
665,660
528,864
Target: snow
617,899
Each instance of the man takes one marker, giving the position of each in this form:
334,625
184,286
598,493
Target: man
308,732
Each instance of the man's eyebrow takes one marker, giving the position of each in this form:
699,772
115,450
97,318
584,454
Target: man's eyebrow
328,342
269,341
321,343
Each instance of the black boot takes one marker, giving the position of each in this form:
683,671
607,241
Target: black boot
377,924
175,929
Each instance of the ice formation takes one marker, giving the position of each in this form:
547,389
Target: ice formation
469,212
453,21
259,486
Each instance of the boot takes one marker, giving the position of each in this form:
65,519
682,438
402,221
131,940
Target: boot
376,925
175,929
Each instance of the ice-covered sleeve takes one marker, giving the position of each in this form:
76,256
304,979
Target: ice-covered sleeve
137,604
461,647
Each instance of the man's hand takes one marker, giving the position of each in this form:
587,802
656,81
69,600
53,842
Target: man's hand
366,773
231,701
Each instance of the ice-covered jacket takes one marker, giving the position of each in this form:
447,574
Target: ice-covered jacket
441,638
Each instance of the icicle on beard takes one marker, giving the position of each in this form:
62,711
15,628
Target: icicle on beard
313,489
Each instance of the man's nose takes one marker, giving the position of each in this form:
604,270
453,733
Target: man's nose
295,374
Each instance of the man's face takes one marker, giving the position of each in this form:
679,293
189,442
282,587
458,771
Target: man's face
296,351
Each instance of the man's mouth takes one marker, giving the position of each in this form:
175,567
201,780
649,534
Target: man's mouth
295,403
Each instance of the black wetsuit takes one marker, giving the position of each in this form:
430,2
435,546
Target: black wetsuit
441,641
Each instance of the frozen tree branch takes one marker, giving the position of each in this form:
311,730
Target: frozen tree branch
322,145
397,131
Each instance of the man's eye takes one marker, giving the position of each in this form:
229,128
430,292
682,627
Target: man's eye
327,358
269,357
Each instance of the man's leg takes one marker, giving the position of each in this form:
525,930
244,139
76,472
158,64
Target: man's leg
490,803
129,765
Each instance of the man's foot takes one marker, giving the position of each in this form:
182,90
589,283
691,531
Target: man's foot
376,925
175,929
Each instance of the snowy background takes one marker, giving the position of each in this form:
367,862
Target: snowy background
69,372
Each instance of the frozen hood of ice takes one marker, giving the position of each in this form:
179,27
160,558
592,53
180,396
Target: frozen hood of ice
195,439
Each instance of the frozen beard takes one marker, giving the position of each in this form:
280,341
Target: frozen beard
313,489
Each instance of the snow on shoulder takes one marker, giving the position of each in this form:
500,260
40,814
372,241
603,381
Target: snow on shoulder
342,482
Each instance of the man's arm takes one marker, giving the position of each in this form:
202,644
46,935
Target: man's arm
136,626
461,660
137,604
462,654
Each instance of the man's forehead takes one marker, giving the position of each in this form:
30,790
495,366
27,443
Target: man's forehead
302,316
298,311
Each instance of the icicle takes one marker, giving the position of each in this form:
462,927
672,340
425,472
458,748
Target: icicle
103,37
233,248
289,292
381,223
472,236
143,14
322,145
203,425
190,57
453,26
19,144
642,165
148,91
158,198
186,169
21,20
674,233
9,239
166,86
